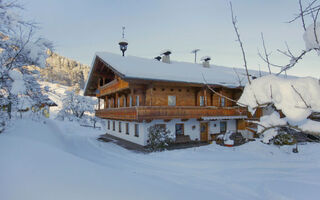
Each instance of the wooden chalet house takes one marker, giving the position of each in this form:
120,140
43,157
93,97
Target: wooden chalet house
136,93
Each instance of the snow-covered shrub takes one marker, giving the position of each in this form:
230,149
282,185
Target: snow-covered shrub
74,106
159,138
79,108
284,139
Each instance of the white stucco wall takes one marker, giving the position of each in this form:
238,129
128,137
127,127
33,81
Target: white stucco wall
131,137
188,130
214,126
194,133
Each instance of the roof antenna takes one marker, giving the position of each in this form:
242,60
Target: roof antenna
123,32
195,54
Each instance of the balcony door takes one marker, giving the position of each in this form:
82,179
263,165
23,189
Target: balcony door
204,131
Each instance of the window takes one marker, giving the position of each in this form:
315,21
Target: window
136,130
223,127
124,102
137,100
201,100
163,126
101,82
130,101
118,102
127,128
179,129
222,101
108,124
119,127
171,100
113,125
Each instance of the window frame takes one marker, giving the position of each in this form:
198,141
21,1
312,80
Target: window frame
136,130
170,102
179,124
127,128
201,100
222,102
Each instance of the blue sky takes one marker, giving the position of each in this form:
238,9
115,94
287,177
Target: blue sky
79,28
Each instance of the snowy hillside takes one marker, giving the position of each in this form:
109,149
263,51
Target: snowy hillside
56,92
61,160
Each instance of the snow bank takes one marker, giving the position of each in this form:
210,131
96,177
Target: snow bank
284,94
309,36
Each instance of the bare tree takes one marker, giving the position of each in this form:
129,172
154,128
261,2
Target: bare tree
234,22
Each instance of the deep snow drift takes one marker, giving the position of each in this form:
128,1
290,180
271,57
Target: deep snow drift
61,160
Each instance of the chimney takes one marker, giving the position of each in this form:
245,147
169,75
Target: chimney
205,61
166,56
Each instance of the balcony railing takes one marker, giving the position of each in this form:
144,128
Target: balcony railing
113,86
168,112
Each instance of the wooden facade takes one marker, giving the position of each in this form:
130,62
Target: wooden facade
137,100
140,113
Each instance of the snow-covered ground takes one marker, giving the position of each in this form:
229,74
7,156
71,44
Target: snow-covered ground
61,160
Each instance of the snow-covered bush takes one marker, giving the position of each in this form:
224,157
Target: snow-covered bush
75,106
159,138
79,108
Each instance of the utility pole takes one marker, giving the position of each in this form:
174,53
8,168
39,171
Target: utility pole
195,54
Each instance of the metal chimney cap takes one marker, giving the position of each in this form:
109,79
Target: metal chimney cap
165,52
206,58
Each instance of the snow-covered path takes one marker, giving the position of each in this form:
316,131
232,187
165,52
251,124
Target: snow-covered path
61,160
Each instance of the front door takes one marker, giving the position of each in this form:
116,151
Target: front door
204,131
223,127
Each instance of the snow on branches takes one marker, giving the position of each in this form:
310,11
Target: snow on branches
18,49
75,106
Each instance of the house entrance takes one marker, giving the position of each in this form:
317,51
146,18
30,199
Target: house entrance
223,127
204,131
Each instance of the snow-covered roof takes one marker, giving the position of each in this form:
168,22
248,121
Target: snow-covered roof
131,67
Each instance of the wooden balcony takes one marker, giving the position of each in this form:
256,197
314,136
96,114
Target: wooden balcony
168,112
113,86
